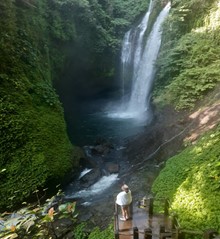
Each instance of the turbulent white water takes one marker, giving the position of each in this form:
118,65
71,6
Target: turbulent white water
84,172
103,184
137,61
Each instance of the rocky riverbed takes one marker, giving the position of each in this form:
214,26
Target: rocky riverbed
142,157
137,161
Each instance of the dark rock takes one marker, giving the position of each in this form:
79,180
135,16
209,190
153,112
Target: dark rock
112,167
85,217
102,141
102,147
63,227
90,178
100,150
88,163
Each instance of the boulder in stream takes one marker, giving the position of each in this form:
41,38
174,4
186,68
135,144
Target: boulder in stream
112,167
90,178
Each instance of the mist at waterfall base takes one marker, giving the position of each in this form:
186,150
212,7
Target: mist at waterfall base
117,120
99,119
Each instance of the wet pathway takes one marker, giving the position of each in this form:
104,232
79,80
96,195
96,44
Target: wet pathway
143,223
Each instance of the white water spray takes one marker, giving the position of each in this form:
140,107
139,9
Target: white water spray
138,66
84,172
103,184
132,49
142,81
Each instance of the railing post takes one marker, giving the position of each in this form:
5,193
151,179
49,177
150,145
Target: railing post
131,209
210,234
162,231
116,225
174,223
166,207
135,233
148,233
116,208
116,222
151,205
180,235
116,235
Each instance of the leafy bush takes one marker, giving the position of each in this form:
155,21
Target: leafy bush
79,231
38,221
188,65
108,233
191,180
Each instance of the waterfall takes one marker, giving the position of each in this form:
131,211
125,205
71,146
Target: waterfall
145,70
137,64
131,49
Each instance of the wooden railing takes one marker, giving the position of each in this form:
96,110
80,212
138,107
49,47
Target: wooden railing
174,232
116,222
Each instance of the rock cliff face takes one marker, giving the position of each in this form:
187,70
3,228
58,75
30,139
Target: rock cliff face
170,132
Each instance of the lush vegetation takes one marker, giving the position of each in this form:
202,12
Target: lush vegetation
38,39
99,29
80,232
188,66
38,221
34,144
34,43
53,219
191,181
188,69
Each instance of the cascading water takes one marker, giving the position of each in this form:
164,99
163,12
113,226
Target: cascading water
131,48
137,66
144,73
137,62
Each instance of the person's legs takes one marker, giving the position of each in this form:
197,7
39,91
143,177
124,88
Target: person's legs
123,212
126,209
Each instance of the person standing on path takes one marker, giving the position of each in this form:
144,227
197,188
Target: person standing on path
124,199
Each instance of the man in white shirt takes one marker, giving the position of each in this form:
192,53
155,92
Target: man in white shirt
124,200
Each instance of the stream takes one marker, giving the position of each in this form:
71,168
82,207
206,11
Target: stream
96,202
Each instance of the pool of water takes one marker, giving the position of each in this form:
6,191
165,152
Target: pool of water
98,119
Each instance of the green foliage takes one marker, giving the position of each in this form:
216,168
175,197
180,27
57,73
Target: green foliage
31,139
34,143
108,233
99,27
79,231
32,51
129,9
191,180
37,222
188,65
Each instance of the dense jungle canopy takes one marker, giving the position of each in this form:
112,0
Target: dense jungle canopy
40,40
